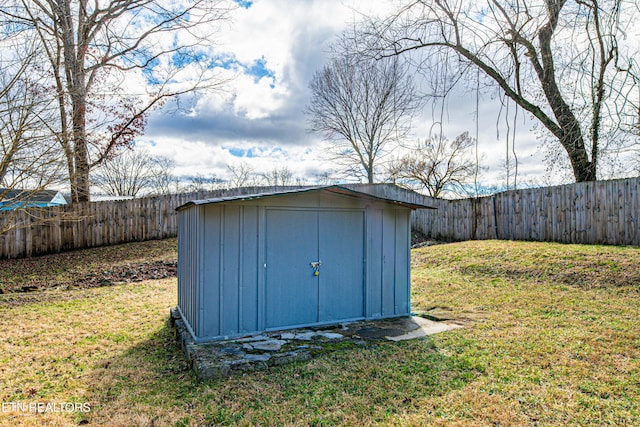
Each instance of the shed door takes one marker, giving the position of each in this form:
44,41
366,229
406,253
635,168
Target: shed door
341,251
291,288
295,238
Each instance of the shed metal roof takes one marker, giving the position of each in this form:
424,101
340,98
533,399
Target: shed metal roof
337,189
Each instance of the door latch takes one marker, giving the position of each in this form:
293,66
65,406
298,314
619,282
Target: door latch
316,267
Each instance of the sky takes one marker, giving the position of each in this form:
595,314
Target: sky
276,46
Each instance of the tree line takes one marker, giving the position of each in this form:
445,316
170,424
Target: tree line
137,173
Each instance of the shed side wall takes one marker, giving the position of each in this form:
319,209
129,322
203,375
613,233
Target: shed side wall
231,270
388,261
188,267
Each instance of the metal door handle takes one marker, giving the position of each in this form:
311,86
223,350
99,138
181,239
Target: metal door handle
316,267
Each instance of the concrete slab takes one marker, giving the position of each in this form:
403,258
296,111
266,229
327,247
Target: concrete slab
330,335
423,327
222,358
269,345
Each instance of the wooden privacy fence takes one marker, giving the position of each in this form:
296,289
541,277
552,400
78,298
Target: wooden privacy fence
606,212
38,231
594,212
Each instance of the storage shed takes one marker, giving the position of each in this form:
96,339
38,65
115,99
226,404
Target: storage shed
311,256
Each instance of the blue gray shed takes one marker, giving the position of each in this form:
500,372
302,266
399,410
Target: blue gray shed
312,256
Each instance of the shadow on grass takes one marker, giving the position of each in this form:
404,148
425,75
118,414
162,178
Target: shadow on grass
151,383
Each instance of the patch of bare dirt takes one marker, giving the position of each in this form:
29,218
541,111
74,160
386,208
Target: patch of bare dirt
116,275
419,240
104,266
129,273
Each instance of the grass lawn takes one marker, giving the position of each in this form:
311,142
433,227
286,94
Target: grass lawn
555,341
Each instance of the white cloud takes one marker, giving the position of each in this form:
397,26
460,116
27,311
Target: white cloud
201,158
258,99
273,48
274,33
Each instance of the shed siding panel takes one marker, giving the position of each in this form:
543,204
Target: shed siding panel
341,249
232,254
212,257
374,264
188,267
250,268
402,262
388,262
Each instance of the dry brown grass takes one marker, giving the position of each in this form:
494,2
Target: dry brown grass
545,351
56,351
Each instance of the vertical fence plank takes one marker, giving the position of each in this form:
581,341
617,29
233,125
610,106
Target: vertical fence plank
634,206
612,214
569,217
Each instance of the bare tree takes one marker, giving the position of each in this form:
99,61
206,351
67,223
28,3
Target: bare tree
132,173
438,166
29,160
25,111
362,106
91,49
201,183
563,61
325,178
242,175
163,180
278,176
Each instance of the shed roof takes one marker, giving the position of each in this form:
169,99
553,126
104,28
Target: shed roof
337,189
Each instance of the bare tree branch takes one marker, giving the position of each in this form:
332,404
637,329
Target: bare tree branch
133,173
560,60
92,47
29,159
437,166
362,106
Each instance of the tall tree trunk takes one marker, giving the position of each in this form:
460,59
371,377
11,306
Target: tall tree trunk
370,178
81,156
569,132
74,51
583,168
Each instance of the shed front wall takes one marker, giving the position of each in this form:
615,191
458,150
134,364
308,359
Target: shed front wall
235,290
